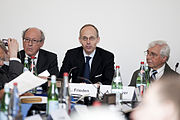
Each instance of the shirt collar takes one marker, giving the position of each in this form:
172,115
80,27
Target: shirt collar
35,55
161,69
91,55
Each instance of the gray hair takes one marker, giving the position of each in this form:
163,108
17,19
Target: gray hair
42,34
165,50
3,47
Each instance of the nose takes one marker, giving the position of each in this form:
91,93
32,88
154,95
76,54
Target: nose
30,43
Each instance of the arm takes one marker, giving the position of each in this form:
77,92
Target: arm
108,70
15,67
53,66
65,65
133,79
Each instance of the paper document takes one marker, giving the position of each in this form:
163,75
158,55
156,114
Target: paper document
45,74
26,81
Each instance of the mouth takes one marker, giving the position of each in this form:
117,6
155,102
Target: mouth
29,49
88,47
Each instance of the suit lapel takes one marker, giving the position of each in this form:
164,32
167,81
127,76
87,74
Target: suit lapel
166,71
21,56
95,63
40,62
81,62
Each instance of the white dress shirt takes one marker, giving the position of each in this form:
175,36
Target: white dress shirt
91,55
160,72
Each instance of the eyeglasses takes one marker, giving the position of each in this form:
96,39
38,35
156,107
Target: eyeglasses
27,40
84,38
152,54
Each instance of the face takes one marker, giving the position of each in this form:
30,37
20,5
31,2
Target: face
152,108
32,41
154,59
2,56
89,39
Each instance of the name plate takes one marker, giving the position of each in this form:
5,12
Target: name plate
83,89
128,91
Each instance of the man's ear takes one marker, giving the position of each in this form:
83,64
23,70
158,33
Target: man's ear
42,43
80,40
98,39
164,58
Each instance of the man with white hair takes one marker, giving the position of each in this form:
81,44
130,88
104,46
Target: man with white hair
157,57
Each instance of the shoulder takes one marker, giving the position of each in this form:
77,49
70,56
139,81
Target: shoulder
47,53
104,52
75,51
170,71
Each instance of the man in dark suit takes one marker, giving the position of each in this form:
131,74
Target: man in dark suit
33,40
14,69
157,57
100,63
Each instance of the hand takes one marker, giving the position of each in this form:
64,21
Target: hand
43,77
13,47
27,94
1,93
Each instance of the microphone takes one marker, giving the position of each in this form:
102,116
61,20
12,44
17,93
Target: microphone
70,74
87,80
176,66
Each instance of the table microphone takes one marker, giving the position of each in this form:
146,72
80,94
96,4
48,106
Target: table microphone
70,74
87,80
176,66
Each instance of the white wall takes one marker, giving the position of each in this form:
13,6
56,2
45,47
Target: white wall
126,26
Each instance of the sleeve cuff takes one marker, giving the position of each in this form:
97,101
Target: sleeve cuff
15,59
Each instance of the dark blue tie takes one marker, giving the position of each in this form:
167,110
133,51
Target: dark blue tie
87,68
153,76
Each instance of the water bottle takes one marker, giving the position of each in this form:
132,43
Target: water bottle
5,103
14,109
65,99
26,65
53,103
141,80
117,86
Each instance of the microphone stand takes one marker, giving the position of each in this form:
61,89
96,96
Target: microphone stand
98,88
70,74
176,66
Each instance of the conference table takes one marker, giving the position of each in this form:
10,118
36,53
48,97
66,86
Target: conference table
125,108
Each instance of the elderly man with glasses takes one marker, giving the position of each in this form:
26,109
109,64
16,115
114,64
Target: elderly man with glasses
33,40
157,56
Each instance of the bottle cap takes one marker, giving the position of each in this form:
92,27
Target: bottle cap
117,66
6,87
53,79
15,83
65,74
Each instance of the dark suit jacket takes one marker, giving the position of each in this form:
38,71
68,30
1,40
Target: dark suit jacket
8,73
46,61
168,72
102,67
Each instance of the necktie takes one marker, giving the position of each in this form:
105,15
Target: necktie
87,68
29,63
153,76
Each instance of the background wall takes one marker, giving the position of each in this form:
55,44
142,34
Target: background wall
126,26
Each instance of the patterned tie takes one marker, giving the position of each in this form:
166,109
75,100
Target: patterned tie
87,68
29,63
153,76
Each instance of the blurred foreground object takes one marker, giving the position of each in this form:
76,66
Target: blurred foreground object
161,102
